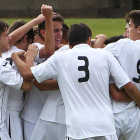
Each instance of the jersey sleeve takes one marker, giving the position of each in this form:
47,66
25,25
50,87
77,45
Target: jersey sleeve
39,60
117,73
47,69
10,76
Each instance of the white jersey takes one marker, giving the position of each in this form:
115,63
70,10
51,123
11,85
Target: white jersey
53,109
65,47
127,53
35,98
83,77
15,99
38,59
9,78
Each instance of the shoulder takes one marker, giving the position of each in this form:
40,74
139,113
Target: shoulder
15,49
38,45
65,47
120,42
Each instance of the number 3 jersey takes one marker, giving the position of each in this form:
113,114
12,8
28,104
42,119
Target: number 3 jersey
83,77
127,53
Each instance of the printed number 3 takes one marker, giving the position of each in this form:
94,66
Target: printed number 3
84,68
138,70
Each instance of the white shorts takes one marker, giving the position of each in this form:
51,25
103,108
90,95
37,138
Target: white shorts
45,130
28,128
109,137
4,134
13,125
128,124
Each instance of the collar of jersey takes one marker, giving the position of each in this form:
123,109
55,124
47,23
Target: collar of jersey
81,45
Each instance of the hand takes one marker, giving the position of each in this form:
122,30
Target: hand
99,43
101,37
19,54
93,42
47,11
31,52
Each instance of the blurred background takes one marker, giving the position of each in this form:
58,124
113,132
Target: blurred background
69,8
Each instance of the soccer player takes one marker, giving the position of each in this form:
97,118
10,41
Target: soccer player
126,112
52,120
83,77
35,99
15,103
10,78
127,52
15,99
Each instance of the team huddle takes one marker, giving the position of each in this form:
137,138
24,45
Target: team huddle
57,83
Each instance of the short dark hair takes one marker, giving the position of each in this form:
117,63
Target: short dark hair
41,26
134,15
113,39
3,26
127,20
79,33
15,25
65,32
56,17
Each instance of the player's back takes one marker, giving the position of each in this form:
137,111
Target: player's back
83,77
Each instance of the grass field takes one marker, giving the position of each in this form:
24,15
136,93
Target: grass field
107,26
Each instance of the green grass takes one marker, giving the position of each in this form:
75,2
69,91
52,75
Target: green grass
109,27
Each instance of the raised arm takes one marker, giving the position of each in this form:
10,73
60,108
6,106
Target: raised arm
118,95
20,32
49,47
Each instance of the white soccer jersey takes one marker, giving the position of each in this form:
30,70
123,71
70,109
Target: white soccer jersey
38,59
15,99
83,77
8,78
53,109
127,53
35,99
65,47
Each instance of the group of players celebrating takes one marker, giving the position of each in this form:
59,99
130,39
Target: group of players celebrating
56,85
